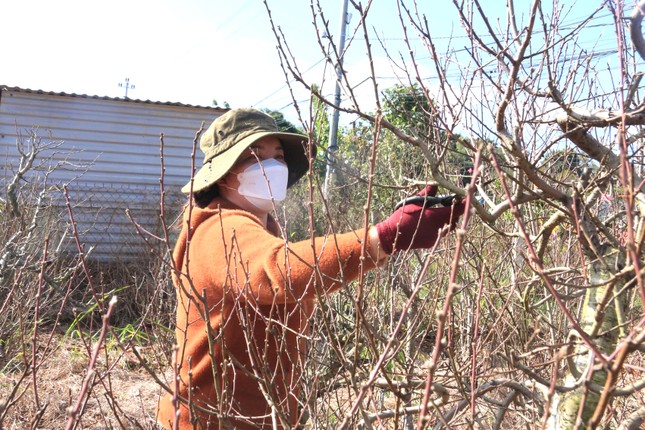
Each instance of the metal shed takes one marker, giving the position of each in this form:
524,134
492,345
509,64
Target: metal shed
108,156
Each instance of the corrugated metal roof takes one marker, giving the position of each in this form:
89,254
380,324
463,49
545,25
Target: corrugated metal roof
123,99
108,154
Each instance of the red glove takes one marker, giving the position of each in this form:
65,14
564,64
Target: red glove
413,227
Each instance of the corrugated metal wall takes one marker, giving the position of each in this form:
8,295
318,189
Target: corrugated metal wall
108,152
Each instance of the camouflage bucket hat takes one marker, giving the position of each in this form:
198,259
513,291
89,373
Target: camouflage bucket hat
230,134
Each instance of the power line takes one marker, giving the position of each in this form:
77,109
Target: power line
289,81
567,25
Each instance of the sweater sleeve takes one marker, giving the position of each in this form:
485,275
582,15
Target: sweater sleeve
232,253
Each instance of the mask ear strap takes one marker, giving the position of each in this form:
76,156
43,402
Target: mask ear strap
223,182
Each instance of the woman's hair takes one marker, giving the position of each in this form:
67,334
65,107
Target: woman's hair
204,197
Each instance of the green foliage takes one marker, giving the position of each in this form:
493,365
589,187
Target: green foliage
282,123
124,335
564,165
408,109
321,120
216,104
320,133
132,333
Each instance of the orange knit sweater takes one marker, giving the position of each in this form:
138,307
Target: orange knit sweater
256,292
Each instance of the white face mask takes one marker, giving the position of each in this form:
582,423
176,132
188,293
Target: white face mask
259,184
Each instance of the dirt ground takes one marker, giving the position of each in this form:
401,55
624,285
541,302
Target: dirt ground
123,396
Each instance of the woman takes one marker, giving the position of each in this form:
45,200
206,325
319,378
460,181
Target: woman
245,293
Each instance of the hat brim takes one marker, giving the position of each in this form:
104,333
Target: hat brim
295,155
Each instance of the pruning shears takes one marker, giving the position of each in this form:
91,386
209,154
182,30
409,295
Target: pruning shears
428,201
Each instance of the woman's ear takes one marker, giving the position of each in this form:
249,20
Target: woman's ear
223,182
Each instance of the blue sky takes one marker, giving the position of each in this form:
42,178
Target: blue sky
194,51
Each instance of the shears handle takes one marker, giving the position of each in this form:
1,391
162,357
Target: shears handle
429,201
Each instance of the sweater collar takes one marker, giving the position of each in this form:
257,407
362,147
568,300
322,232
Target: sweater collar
220,204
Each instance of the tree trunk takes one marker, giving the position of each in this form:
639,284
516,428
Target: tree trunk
601,316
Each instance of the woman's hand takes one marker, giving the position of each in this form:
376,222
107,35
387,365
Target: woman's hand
414,226
374,245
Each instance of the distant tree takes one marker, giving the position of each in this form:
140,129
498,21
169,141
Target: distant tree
320,119
282,123
215,103
408,108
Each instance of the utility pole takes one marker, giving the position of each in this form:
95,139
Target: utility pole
127,86
332,146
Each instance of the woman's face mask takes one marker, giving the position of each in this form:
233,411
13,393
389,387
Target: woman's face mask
263,181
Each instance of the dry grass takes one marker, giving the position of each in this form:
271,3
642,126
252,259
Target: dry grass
123,395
